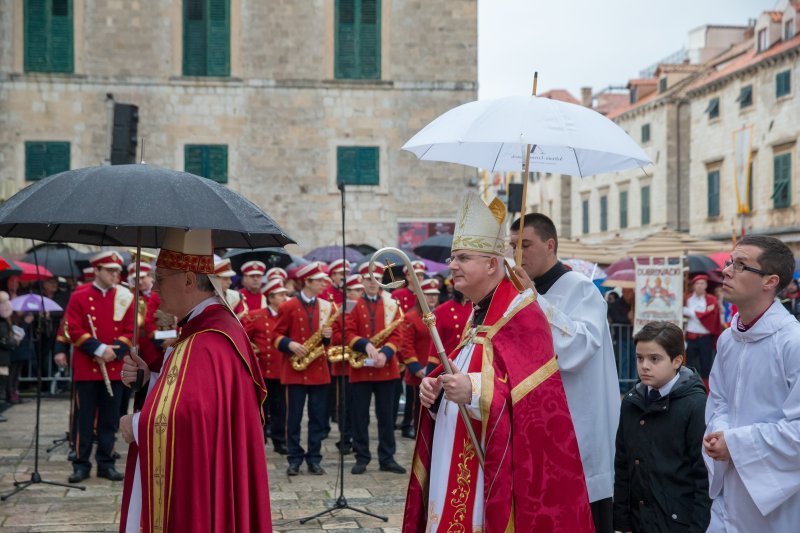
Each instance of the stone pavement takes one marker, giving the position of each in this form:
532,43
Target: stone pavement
49,508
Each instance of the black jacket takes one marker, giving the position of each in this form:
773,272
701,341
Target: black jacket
661,483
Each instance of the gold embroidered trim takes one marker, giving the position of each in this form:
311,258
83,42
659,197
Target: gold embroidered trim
534,380
462,491
421,473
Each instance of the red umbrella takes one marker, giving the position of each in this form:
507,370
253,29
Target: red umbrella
622,264
31,272
623,279
719,258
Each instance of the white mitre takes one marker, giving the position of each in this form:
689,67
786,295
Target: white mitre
479,227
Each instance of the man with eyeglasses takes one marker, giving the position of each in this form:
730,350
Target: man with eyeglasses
577,314
508,380
752,442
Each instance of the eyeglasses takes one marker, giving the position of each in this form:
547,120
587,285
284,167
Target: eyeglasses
463,258
740,267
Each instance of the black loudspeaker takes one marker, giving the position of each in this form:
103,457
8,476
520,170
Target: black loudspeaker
514,197
125,134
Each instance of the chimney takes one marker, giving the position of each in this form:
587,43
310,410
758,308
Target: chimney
586,97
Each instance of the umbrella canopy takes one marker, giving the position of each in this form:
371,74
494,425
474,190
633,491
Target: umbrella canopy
436,248
623,279
31,272
719,258
60,259
8,268
109,205
272,257
701,263
493,134
432,267
587,268
32,303
364,249
332,253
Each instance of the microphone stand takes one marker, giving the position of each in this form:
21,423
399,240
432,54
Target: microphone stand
341,501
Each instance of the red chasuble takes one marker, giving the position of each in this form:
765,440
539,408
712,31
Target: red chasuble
201,442
533,478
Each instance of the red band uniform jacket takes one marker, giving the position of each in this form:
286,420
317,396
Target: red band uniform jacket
417,343
297,322
365,320
260,326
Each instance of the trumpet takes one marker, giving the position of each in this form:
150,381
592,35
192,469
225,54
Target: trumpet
313,344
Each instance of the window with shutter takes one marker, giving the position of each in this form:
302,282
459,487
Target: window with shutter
645,205
645,133
781,189
713,193
783,83
604,213
713,108
48,36
207,160
623,209
45,158
358,165
206,38
358,39
585,216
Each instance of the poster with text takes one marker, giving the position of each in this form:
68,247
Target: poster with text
659,293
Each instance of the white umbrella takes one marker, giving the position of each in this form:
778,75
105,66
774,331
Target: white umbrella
563,138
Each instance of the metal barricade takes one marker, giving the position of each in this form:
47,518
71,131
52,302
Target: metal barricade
625,355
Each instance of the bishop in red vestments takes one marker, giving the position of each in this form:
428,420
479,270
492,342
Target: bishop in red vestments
196,461
532,478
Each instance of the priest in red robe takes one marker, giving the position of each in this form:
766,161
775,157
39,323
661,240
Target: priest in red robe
507,378
196,461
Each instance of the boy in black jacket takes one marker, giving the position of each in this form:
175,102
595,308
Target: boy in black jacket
661,483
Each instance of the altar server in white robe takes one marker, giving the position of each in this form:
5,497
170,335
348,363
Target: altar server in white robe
752,442
577,314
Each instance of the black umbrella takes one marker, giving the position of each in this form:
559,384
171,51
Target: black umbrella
272,257
59,259
364,249
131,205
701,264
436,248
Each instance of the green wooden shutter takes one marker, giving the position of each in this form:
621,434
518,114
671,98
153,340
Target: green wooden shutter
713,193
44,159
623,209
346,166
645,205
207,160
194,38
369,36
782,194
585,216
358,165
61,33
783,83
368,166
36,35
604,213
345,61
219,45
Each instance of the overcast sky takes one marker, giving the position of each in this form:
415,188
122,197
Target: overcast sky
597,43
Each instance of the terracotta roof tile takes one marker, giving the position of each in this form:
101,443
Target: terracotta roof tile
560,94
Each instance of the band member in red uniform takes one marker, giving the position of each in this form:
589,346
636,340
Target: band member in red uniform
259,326
277,272
99,322
223,270
299,318
354,290
337,270
376,313
196,459
252,299
451,318
415,355
405,295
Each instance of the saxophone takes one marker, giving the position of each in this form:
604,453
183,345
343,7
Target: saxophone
357,359
314,343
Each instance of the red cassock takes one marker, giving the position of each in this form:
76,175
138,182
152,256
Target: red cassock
113,323
148,349
365,320
451,318
710,318
259,326
417,340
405,297
296,322
200,437
251,301
533,477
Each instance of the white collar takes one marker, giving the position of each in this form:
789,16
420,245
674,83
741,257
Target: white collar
306,299
199,308
667,387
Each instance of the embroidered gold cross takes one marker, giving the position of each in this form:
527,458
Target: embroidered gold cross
161,423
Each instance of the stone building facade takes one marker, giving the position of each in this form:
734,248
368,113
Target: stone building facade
752,91
276,94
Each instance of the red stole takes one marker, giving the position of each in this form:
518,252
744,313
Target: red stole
201,444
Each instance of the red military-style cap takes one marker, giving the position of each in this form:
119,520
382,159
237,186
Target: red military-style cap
311,271
109,259
253,267
274,286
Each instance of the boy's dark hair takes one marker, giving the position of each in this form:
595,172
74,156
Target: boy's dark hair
542,226
665,334
776,258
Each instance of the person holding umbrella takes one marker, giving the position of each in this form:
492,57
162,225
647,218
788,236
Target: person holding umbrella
576,313
99,322
196,459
